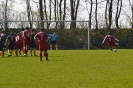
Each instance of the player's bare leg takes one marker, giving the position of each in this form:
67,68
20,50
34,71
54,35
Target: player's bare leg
9,52
50,46
25,50
40,55
19,51
111,49
16,51
2,53
46,55
34,52
56,46
31,51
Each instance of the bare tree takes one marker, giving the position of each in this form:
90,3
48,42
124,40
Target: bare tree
96,15
74,4
41,12
46,14
108,13
6,24
62,13
131,4
118,11
29,12
90,14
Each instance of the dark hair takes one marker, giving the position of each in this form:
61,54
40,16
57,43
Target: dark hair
32,30
42,29
110,33
22,29
27,28
3,31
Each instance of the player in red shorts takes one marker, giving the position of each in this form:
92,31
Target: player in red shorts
26,40
18,42
111,41
42,38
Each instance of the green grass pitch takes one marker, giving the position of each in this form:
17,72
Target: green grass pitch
69,69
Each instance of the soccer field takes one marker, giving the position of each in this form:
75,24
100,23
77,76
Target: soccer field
69,69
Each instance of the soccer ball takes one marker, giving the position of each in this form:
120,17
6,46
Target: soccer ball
114,50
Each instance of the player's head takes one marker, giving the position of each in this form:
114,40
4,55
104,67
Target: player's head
42,29
22,29
110,33
18,34
27,28
54,33
32,30
11,33
3,31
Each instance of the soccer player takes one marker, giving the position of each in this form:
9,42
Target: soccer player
32,42
111,41
53,38
26,40
1,48
3,39
42,39
21,35
18,44
10,41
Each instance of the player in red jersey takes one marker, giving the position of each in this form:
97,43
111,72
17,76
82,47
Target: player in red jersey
42,38
18,44
111,41
26,40
21,35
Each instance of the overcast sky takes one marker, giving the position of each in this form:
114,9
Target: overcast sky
20,5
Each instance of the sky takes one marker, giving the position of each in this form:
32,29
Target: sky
21,6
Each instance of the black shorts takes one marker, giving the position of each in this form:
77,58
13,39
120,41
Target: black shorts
1,46
53,42
32,45
11,46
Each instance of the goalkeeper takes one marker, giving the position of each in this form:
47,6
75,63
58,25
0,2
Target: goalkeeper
53,42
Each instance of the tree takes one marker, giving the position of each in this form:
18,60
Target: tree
131,5
108,13
90,13
46,14
6,15
41,12
62,13
96,15
118,11
29,12
74,4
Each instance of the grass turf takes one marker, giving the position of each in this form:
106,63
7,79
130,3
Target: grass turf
69,69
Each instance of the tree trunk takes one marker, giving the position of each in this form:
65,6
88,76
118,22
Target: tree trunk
64,13
110,14
118,11
41,12
108,10
90,14
74,9
96,16
46,15
29,12
6,24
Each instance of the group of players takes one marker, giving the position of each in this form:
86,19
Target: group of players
25,39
